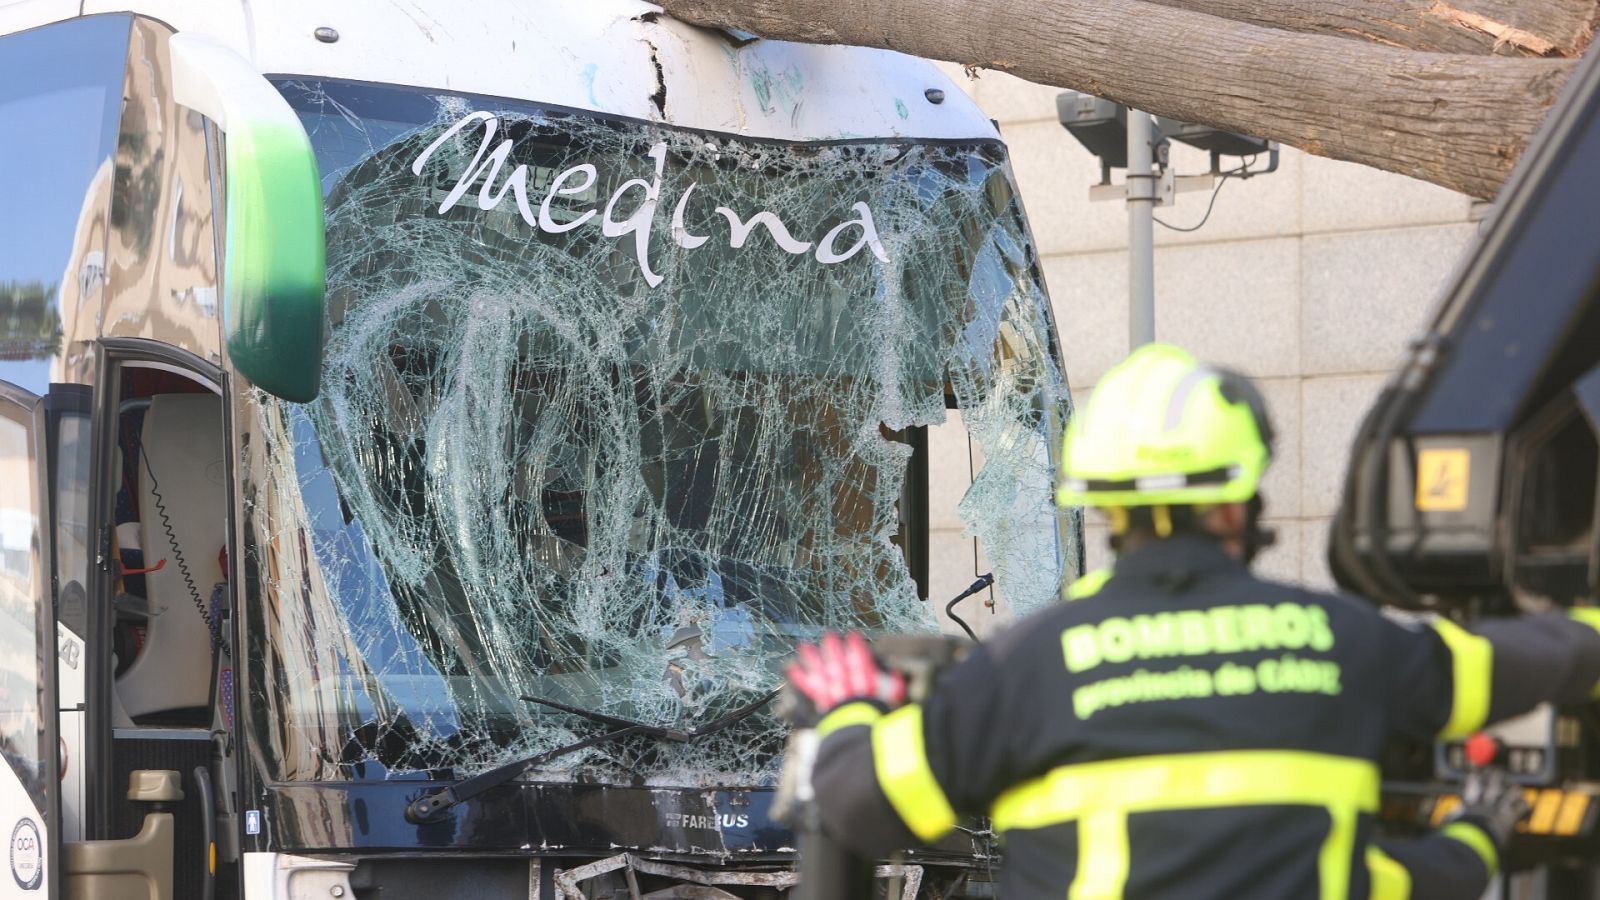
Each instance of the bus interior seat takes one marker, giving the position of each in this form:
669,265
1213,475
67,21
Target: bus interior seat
181,444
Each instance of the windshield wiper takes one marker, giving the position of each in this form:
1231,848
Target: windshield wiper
677,735
430,807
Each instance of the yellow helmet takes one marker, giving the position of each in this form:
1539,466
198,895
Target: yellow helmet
1162,430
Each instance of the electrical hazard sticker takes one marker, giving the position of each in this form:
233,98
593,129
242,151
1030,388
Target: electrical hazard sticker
1442,479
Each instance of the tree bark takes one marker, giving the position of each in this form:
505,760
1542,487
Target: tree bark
1560,28
1455,120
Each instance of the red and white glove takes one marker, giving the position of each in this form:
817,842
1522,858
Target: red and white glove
843,671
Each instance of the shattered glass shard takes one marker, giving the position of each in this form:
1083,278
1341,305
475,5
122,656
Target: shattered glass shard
606,419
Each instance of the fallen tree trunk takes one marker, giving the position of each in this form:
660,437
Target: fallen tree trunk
1560,28
1454,120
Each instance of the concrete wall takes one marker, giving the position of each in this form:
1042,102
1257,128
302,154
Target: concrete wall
1311,279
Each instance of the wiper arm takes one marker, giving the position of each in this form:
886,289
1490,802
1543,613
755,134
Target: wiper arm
429,807
743,712
655,731
662,732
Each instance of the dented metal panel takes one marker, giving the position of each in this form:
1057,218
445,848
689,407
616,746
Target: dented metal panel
622,57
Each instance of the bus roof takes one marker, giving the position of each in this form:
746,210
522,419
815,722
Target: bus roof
621,57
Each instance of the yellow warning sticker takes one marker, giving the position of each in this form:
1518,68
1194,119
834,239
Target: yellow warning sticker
1442,478
1545,810
1570,819
1552,811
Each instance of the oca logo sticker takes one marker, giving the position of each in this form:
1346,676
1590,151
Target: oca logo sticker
27,855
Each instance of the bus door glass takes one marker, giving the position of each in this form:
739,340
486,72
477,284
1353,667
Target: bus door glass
28,734
67,414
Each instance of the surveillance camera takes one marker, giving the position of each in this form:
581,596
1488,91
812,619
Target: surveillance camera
1100,125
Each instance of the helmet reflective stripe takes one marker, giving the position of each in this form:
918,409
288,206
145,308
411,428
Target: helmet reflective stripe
1154,482
1181,393
1161,429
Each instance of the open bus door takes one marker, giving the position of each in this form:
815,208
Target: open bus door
42,444
43,507
67,409
29,739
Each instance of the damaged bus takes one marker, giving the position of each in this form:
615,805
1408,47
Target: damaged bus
429,427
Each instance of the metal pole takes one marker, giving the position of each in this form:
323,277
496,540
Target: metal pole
1141,229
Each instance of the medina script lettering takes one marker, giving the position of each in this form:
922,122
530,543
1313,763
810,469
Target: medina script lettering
488,164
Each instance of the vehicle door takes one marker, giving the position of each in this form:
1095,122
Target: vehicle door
29,738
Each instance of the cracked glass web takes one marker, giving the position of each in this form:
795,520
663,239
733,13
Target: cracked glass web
624,470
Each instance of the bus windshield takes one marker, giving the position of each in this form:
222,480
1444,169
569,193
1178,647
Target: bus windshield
615,413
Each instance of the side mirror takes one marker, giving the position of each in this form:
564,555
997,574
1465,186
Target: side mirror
273,277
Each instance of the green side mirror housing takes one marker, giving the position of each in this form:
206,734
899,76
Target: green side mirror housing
273,268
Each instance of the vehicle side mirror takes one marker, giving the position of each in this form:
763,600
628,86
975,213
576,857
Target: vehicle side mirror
273,277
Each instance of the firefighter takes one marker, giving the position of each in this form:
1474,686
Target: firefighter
1181,728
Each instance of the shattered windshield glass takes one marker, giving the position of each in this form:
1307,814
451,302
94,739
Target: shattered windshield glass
613,414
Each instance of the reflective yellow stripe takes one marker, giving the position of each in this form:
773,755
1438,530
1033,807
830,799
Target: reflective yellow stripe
857,713
1344,786
901,762
1473,837
1088,585
1589,616
1102,856
1334,860
1390,880
1472,669
1190,780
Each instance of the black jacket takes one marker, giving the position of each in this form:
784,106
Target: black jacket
1191,731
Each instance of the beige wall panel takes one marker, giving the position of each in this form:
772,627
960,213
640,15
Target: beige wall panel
1331,410
1089,294
1365,295
1342,196
1232,304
